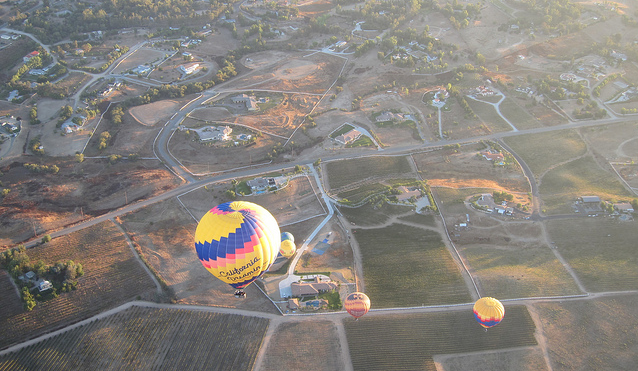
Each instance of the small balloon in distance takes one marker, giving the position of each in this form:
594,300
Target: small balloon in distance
287,236
357,304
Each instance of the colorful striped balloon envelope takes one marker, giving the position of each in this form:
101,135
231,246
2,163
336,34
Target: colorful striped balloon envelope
488,312
357,304
237,242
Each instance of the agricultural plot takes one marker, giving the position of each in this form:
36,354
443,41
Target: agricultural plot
562,185
286,352
367,215
504,271
149,339
463,167
111,277
543,151
519,117
409,342
487,113
527,359
428,220
11,302
404,266
597,334
359,194
346,172
614,142
601,251
69,85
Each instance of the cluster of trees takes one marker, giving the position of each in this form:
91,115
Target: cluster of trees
115,15
104,140
562,16
499,197
36,146
591,110
176,91
116,115
557,89
607,80
33,116
35,168
62,276
35,62
460,98
65,113
111,57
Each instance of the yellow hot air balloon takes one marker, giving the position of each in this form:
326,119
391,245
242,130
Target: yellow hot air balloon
287,249
488,312
237,241
357,304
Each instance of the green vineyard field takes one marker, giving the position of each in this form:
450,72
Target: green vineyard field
341,173
149,339
404,266
408,342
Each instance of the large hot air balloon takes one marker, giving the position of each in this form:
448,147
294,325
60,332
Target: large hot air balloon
488,312
357,304
237,241
287,248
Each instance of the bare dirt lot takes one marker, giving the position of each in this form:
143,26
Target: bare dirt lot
293,72
153,113
45,202
165,233
614,142
466,169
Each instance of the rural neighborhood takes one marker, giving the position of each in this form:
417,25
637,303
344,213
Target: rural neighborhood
202,185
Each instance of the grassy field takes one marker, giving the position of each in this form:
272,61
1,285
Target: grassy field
405,266
602,251
563,184
304,346
507,273
366,215
519,117
149,339
420,219
111,277
542,151
341,173
598,334
488,114
408,342
359,194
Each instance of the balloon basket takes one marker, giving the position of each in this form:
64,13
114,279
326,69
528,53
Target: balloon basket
240,294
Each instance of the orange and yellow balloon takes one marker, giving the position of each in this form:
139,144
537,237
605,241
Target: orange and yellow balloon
489,312
357,304
237,241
